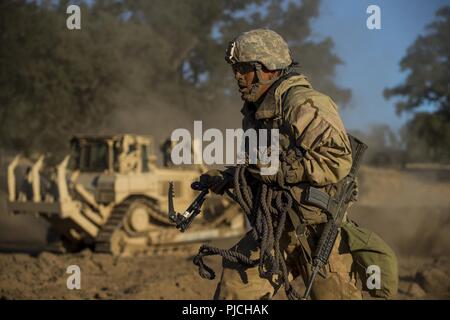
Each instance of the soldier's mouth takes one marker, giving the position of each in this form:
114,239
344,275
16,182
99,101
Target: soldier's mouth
242,87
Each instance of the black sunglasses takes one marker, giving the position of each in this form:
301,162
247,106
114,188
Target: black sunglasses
243,67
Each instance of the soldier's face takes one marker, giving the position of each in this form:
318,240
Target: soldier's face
245,77
247,81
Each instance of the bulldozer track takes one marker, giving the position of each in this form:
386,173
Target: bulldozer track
157,214
103,241
115,222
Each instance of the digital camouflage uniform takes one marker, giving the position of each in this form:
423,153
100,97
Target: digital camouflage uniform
308,121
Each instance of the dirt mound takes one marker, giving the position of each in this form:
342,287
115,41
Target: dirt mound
411,211
424,278
44,276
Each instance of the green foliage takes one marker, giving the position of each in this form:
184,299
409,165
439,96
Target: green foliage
428,84
428,63
134,55
427,137
53,83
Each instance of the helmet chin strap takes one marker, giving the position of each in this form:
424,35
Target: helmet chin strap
258,70
252,95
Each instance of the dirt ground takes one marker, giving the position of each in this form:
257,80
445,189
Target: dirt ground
410,211
24,276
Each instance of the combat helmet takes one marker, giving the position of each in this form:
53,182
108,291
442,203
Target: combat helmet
260,45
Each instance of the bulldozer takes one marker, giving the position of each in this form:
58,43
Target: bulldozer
109,194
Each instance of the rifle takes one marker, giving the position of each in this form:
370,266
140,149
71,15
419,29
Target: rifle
335,208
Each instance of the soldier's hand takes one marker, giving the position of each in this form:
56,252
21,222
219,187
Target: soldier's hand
292,167
216,181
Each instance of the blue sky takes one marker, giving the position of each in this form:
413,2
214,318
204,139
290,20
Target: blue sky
371,57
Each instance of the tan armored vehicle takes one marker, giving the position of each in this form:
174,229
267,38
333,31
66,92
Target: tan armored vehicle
110,194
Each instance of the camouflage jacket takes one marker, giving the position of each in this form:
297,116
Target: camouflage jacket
309,121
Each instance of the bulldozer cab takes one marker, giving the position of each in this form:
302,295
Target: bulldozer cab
123,154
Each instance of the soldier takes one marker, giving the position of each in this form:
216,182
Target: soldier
166,149
315,151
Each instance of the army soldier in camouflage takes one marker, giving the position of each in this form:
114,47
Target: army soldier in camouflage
317,152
